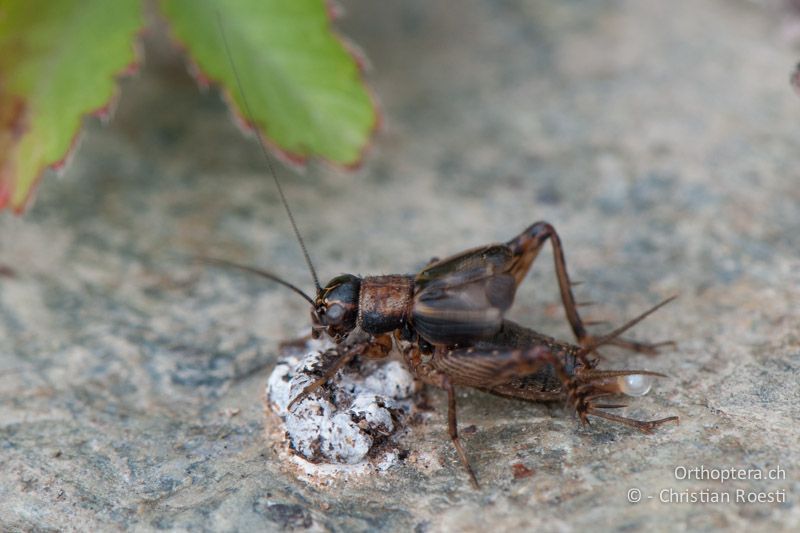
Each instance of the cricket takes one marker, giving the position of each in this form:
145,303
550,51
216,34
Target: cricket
448,323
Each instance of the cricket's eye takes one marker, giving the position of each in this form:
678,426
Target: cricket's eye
334,314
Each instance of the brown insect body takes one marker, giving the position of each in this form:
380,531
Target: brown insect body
450,321
449,318
454,301
384,303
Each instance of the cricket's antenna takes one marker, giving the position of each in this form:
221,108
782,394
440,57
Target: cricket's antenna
258,272
266,154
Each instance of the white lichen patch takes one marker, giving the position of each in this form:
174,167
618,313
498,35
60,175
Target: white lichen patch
352,420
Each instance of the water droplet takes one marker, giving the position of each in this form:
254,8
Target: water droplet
635,384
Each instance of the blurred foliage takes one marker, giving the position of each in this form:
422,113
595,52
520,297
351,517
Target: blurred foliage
59,60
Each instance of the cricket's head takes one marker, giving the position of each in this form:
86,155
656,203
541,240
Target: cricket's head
336,307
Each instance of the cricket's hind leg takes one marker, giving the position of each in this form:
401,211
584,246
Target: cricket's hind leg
591,343
473,368
591,385
483,369
584,396
493,369
647,348
526,246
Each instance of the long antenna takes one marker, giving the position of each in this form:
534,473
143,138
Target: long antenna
261,143
258,272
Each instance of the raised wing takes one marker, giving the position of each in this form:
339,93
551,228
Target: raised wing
463,298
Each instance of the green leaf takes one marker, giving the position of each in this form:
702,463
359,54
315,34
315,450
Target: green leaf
304,88
58,59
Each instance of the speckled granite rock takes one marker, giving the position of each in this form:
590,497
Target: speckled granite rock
660,138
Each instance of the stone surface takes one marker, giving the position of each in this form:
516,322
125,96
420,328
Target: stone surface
660,138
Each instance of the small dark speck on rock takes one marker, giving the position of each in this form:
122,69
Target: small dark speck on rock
168,136
285,515
422,527
521,471
548,195
603,437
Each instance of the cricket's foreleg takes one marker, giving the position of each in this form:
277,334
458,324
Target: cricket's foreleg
331,361
298,342
526,246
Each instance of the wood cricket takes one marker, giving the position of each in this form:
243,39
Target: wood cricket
448,321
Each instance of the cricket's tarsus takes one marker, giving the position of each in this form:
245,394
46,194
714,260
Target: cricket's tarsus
449,322
613,337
